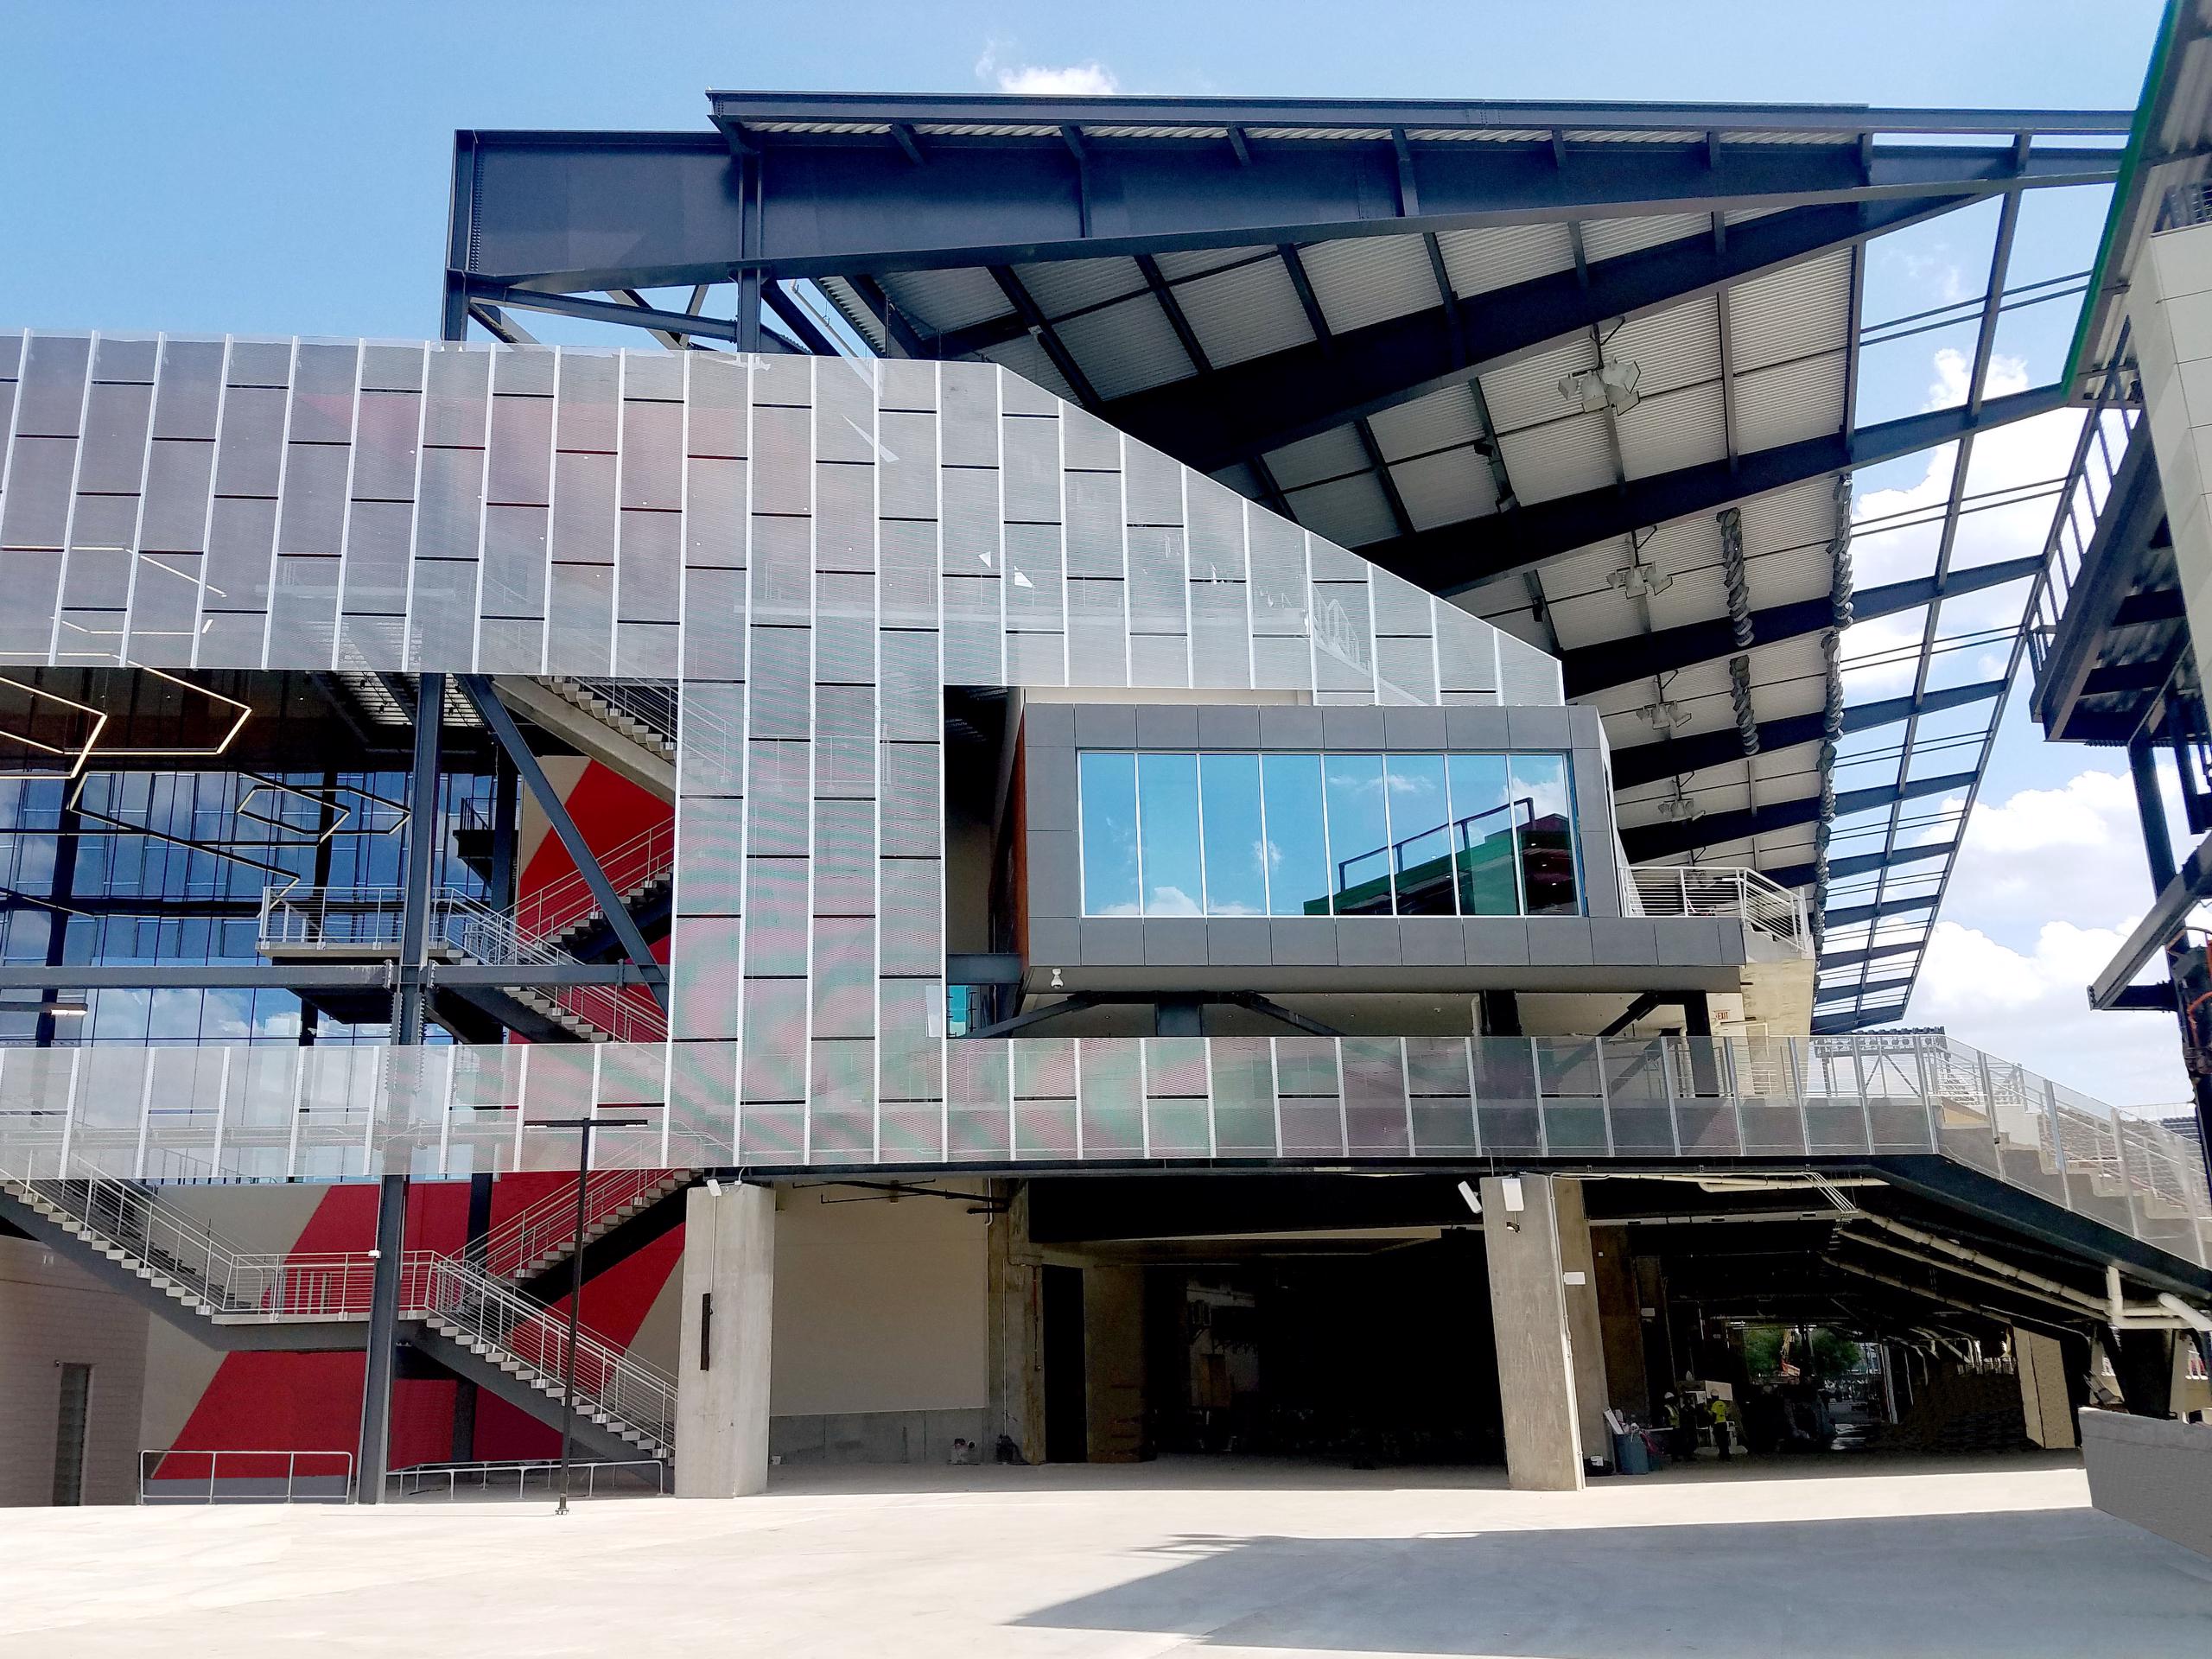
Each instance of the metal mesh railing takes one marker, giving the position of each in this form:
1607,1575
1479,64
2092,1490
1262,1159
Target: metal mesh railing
452,1110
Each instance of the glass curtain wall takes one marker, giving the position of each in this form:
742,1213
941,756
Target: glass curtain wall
152,866
1341,833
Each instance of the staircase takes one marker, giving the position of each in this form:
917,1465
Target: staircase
566,913
479,1325
640,712
2073,1152
534,1239
177,1254
365,923
527,1342
629,728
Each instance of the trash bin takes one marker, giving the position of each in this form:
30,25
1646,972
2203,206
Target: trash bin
1630,1456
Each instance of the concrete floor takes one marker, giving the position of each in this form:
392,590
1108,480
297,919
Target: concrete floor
1238,1561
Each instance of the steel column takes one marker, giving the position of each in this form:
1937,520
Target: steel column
375,1450
422,838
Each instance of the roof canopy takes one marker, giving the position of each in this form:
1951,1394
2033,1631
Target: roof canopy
1589,371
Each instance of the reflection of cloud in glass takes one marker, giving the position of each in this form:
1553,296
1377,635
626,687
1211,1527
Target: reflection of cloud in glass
1125,909
1173,901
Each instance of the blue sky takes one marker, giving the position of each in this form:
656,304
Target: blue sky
280,169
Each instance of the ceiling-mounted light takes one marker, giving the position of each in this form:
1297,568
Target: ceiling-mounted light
1637,580
1664,716
1679,807
1611,385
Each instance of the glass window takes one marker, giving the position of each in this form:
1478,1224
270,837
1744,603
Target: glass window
1298,851
1482,836
1108,786
1321,835
1541,792
1360,834
1168,821
1421,843
1229,802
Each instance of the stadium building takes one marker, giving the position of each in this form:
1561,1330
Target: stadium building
1148,774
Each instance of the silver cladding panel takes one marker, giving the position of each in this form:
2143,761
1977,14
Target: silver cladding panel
815,548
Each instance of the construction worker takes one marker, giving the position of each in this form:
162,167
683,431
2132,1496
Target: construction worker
1719,1409
1681,1429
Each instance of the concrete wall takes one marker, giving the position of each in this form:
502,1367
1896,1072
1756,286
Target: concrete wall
2170,319
52,1314
2154,1472
881,1329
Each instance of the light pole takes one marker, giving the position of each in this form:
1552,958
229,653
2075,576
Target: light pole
583,1126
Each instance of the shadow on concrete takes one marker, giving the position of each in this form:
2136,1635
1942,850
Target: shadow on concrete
2005,1585
1181,1473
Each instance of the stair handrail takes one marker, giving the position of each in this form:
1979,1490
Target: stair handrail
490,935
659,706
637,1393
630,868
652,703
237,1285
374,917
546,1229
233,1283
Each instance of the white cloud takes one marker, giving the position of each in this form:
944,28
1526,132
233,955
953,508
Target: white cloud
1879,655
1088,79
2048,885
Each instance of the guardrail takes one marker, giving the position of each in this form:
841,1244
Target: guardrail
2099,449
646,1476
452,1111
255,1477
1717,890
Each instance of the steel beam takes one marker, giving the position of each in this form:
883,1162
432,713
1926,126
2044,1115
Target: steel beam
2168,914
1701,122
1619,662
1853,915
591,310
1674,757
1267,402
1452,558
478,690
1651,841
580,210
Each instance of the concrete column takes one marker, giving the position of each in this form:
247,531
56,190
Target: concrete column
2040,1364
1535,1363
1013,1282
722,1372
1584,1327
